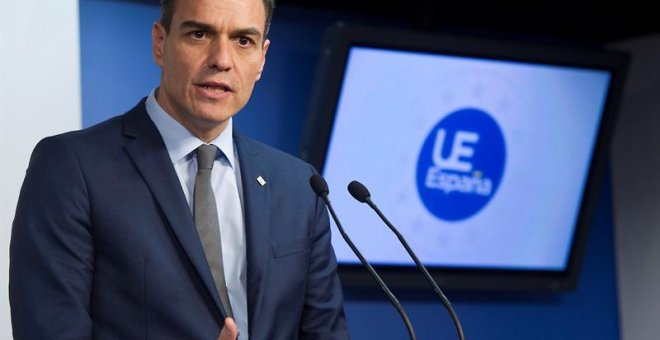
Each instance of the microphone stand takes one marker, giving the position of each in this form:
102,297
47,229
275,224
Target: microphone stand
361,194
321,188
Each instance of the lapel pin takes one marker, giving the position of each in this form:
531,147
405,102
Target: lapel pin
261,181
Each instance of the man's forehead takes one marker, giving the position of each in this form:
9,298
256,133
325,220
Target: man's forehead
208,10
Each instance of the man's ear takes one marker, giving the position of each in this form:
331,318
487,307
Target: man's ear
158,34
263,58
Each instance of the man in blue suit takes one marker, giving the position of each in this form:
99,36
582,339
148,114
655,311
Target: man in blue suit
104,243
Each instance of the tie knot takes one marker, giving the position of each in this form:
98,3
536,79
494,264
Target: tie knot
206,154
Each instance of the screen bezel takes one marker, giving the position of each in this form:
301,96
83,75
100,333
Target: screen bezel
323,103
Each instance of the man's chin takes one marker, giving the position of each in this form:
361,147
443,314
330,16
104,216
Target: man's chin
213,123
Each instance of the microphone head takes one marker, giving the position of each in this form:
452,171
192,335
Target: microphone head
359,191
319,185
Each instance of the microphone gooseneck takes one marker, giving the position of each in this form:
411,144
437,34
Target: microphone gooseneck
361,194
320,187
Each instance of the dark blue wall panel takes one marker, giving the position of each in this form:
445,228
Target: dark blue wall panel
117,70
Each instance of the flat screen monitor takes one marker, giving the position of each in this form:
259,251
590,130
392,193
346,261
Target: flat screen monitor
485,154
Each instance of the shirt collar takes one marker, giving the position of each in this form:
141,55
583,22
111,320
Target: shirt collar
178,140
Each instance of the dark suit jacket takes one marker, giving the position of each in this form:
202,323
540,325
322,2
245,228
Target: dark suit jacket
104,245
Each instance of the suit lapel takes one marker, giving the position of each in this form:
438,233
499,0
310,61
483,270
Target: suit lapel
146,148
256,199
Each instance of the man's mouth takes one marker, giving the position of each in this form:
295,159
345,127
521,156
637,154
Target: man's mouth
215,87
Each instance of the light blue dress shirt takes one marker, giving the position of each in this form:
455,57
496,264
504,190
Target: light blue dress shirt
226,182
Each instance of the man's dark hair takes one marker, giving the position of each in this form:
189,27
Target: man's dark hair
167,11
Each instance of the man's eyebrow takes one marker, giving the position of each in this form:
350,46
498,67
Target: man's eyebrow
196,25
248,31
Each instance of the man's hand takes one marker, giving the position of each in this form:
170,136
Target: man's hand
229,331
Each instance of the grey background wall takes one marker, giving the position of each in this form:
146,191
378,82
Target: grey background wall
39,96
636,192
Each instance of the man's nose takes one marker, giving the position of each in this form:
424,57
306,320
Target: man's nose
220,57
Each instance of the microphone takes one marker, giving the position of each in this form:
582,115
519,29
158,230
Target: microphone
361,194
321,189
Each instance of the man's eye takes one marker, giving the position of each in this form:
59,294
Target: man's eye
244,41
198,35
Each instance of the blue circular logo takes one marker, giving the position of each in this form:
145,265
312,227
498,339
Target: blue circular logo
461,164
